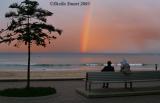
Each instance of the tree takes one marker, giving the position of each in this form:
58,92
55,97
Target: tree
29,26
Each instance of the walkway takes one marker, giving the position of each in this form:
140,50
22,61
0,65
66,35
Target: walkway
66,94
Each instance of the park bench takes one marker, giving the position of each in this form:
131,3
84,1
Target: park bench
119,77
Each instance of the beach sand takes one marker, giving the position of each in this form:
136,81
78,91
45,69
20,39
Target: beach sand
43,74
51,74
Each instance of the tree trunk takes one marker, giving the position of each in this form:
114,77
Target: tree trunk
29,55
28,70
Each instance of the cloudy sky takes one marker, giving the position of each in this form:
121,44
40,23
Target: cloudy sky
113,26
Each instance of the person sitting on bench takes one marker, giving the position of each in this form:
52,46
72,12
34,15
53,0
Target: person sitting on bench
108,68
125,67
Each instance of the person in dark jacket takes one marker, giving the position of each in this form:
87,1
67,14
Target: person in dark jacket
108,68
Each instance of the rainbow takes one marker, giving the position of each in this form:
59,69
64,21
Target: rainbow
85,31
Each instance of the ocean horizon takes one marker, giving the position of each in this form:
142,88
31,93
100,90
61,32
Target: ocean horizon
76,61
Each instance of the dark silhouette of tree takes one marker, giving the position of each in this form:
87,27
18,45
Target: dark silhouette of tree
29,26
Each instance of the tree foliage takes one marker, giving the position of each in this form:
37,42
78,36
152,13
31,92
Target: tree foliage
28,23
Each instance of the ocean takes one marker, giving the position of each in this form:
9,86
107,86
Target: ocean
76,61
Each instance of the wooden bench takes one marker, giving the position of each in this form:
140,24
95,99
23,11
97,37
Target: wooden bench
118,77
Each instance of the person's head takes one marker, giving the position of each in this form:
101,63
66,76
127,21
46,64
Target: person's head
109,62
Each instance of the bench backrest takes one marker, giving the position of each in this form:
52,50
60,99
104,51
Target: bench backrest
119,76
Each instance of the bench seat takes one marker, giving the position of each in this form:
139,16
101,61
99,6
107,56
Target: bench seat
119,77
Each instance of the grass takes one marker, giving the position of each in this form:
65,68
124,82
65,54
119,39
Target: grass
31,92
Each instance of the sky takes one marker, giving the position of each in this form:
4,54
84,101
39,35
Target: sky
103,26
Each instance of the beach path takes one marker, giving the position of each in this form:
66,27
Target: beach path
66,93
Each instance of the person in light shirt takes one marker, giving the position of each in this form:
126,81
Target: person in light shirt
125,67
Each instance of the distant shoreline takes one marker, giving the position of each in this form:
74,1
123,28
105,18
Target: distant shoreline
83,53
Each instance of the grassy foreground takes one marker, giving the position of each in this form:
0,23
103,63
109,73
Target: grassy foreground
24,92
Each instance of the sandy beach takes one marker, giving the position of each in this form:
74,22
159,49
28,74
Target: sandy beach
43,74
51,74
